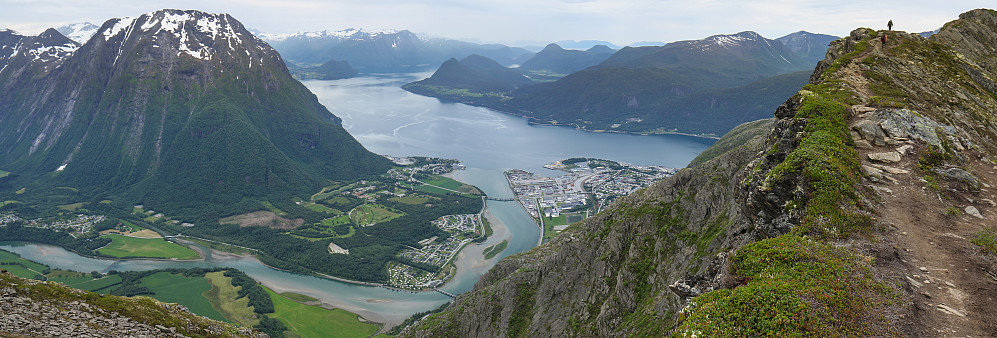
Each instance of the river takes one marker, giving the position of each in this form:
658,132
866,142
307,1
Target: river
388,120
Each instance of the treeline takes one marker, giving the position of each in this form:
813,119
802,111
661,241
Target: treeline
84,244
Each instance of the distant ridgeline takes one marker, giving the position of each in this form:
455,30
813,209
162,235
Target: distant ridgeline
704,86
384,51
184,122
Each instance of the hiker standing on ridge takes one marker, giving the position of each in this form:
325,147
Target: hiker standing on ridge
889,25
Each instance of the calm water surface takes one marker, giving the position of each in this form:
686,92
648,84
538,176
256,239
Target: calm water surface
389,120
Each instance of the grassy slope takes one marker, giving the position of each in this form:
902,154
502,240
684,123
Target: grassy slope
735,138
140,309
124,246
314,321
186,291
225,298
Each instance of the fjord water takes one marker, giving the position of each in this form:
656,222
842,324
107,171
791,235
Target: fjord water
388,120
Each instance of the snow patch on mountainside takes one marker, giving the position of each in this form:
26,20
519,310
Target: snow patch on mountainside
119,26
191,29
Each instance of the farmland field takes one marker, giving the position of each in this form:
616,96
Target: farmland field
225,298
315,321
124,246
186,291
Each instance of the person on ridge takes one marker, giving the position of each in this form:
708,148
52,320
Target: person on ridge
889,25
883,39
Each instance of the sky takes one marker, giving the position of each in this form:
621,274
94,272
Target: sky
522,22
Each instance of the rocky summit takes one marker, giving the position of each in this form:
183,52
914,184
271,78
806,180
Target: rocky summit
865,209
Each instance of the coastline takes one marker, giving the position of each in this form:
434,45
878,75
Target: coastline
534,122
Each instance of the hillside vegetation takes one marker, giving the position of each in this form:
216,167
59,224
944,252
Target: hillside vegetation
860,213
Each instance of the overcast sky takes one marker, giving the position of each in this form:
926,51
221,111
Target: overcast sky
507,21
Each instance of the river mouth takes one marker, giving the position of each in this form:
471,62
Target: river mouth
388,120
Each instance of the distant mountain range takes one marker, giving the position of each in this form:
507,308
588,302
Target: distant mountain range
703,86
555,59
384,51
812,47
184,111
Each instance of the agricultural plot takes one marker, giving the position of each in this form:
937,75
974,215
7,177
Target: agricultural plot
100,285
452,184
224,297
19,266
321,208
124,246
186,291
314,321
411,199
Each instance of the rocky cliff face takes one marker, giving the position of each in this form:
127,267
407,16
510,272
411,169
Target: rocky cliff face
49,309
855,214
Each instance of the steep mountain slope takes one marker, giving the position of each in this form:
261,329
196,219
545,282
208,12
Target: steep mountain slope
558,60
867,210
182,110
809,46
79,32
383,51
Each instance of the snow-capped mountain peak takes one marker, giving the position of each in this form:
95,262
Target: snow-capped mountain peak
79,32
198,34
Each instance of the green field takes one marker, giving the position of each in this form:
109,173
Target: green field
452,184
71,207
333,221
299,297
314,321
431,189
321,208
69,278
550,223
186,291
97,284
225,298
3,203
131,226
372,213
124,246
4,173
19,266
411,199
496,249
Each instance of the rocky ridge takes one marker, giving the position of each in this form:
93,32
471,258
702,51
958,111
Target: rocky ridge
858,213
50,309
